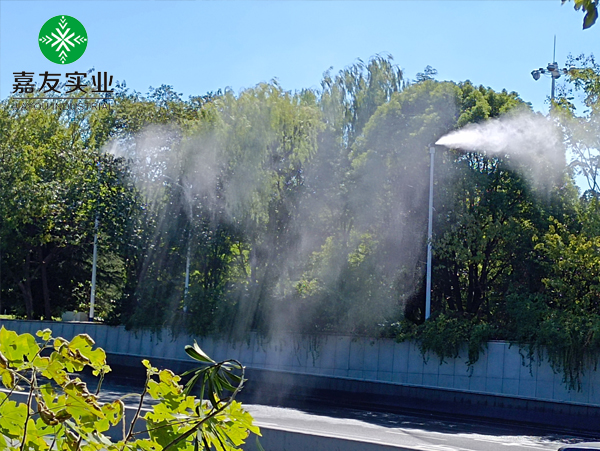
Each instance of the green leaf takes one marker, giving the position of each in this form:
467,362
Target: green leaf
80,402
17,348
12,418
258,445
590,17
150,368
81,345
193,370
45,334
8,378
196,353
56,370
114,411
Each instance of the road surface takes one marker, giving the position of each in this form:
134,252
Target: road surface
406,431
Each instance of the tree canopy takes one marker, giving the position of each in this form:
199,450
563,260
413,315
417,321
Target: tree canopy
304,211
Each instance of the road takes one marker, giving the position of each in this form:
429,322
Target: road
426,434
405,431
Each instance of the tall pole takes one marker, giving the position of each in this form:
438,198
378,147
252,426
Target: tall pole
0,278
553,78
429,235
94,264
185,190
94,258
553,70
187,271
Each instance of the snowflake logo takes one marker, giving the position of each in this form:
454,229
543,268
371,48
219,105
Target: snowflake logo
63,39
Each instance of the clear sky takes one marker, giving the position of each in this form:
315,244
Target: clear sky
201,46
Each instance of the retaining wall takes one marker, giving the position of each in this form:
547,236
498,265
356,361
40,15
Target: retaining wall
500,370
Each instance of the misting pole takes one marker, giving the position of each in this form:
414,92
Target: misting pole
94,257
187,271
94,264
429,235
186,190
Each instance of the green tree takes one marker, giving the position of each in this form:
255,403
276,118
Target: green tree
52,190
263,184
582,130
147,132
483,238
355,280
222,189
561,321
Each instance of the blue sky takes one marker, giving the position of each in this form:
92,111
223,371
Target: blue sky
201,46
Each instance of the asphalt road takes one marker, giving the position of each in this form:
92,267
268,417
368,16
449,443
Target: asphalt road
407,431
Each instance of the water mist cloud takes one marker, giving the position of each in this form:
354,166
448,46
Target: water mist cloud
531,142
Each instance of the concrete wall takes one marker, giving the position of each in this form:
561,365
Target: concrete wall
499,371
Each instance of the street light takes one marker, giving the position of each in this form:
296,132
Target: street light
429,234
552,71
94,265
186,193
94,258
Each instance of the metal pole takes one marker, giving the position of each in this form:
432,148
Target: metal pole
552,73
185,190
94,261
429,236
0,277
94,257
187,271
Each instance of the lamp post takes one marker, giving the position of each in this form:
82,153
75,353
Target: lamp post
552,70
94,264
186,192
429,234
94,259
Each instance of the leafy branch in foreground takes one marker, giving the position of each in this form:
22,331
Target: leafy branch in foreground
59,412
590,8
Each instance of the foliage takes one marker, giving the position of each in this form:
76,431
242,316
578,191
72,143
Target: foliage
428,73
568,341
487,267
590,7
569,317
447,334
305,211
61,412
52,189
483,238
582,130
